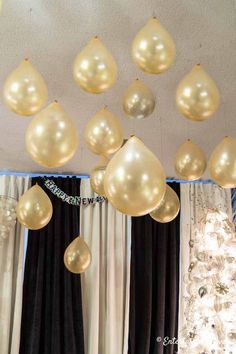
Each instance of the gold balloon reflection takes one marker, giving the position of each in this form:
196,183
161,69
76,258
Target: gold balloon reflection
169,207
134,180
197,95
97,176
25,91
222,163
153,49
77,257
94,68
34,209
52,138
104,133
190,161
138,101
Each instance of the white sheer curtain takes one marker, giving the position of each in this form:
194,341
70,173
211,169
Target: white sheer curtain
11,272
105,285
206,214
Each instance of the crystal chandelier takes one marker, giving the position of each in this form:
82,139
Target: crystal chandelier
7,215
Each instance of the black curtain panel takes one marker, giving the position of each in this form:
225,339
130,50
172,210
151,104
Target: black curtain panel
52,308
154,285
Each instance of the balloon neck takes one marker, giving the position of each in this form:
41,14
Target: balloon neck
55,101
95,39
26,59
103,161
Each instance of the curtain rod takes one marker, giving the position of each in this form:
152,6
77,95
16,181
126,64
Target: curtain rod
85,176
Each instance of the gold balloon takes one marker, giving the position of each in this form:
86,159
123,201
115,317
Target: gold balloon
134,180
197,95
51,137
25,91
169,207
138,101
94,68
77,257
34,209
104,133
153,49
97,176
190,161
222,163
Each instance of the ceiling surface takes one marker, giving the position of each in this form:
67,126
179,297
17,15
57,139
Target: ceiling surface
50,33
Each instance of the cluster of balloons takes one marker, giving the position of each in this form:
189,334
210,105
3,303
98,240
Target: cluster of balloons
128,173
51,137
34,210
191,162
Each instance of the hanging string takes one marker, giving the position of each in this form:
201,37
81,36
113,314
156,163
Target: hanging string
133,122
161,139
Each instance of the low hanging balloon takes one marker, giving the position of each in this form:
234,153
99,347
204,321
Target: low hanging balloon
34,209
94,68
153,49
138,101
51,137
222,163
190,161
77,257
97,176
25,91
197,95
104,133
169,207
134,180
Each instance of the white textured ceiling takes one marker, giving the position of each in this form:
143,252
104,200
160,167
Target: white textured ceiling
51,32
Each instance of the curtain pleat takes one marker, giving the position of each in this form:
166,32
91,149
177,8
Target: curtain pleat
234,205
154,285
105,285
197,200
52,306
11,271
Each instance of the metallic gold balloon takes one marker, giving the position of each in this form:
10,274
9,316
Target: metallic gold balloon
34,209
134,180
222,163
190,161
169,207
197,95
25,91
77,257
138,101
51,137
153,49
104,133
94,68
97,176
